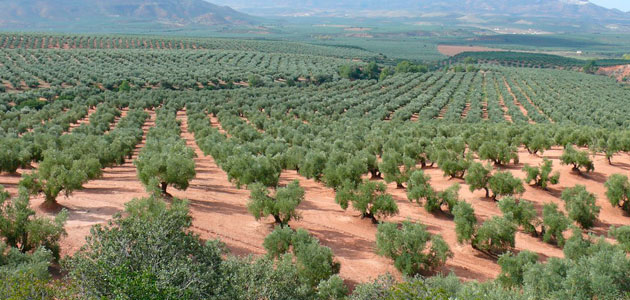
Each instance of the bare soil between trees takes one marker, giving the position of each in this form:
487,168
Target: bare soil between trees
219,211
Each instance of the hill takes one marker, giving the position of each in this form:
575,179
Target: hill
38,13
522,8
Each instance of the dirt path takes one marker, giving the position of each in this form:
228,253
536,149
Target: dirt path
517,103
83,120
532,103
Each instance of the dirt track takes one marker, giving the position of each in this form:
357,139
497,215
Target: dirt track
219,211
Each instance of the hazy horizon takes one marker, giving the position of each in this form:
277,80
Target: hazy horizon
622,5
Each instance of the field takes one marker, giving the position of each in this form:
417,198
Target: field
88,123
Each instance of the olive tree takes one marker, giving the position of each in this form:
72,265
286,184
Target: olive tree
465,221
578,159
281,206
622,235
315,263
498,152
413,249
618,191
505,184
369,198
60,171
513,266
580,204
554,223
495,236
166,162
541,175
391,168
478,177
521,212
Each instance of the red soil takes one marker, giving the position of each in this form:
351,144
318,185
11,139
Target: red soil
219,211
454,50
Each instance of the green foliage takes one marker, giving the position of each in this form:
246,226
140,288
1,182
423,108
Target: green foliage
390,167
124,86
554,224
21,229
465,221
622,235
580,205
350,72
618,191
452,164
578,159
24,275
409,67
478,177
369,198
495,235
149,254
576,246
61,171
315,263
541,175
498,152
590,67
505,184
166,162
418,186
513,266
411,247
255,81
521,212
448,197
282,206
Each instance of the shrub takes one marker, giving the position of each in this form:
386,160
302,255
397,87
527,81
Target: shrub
580,205
282,206
622,235
21,229
411,247
150,254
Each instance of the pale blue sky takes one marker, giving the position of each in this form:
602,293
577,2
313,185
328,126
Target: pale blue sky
623,5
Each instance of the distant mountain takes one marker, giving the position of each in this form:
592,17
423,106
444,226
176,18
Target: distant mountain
582,9
28,13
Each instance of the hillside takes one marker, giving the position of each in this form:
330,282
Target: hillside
34,13
523,8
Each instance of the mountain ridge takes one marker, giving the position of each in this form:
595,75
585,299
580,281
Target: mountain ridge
27,13
548,8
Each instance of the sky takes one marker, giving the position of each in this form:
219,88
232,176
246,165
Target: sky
623,5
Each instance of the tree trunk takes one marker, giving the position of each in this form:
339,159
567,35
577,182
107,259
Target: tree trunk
487,192
163,187
278,221
399,185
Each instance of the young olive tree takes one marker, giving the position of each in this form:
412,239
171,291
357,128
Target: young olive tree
20,228
413,249
554,224
505,184
618,191
282,206
580,205
541,175
465,221
478,177
578,159
369,198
